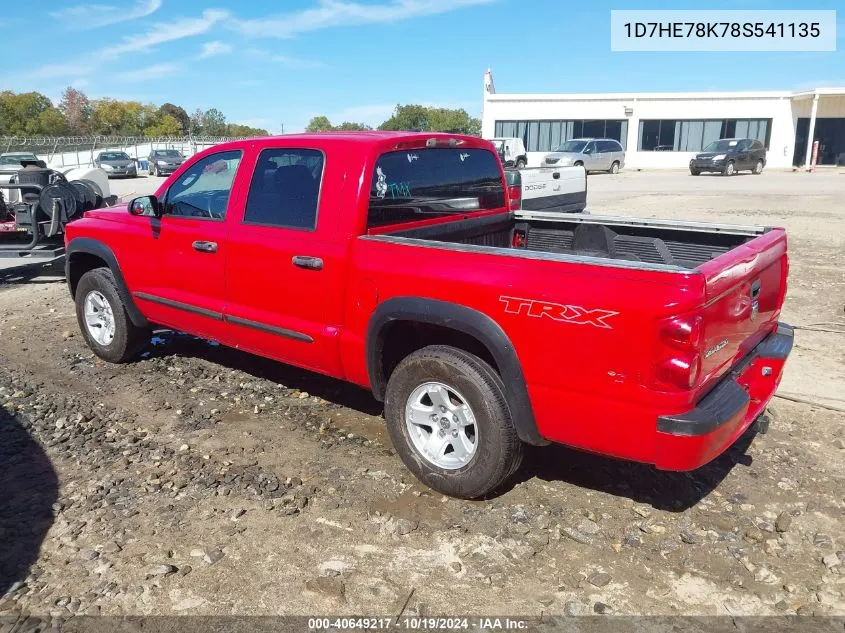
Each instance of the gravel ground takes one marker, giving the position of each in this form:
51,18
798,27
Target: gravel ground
201,480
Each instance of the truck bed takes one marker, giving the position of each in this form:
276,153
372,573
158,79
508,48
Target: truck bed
603,239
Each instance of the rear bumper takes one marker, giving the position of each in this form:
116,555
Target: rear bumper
689,440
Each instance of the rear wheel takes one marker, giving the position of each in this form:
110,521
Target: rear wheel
450,423
758,167
614,168
730,169
103,319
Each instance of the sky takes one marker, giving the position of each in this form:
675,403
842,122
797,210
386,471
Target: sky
276,64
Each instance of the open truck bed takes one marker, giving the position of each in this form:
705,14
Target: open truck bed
602,240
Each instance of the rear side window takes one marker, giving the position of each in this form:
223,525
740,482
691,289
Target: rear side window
426,183
285,189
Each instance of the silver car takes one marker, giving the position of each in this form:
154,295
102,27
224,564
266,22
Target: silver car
116,164
595,154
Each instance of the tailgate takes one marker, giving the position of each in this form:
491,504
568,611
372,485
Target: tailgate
561,189
745,288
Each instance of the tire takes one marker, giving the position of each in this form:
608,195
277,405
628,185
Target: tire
520,164
497,450
758,168
694,172
127,339
614,168
730,169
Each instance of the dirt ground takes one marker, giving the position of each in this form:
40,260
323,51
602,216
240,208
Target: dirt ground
199,480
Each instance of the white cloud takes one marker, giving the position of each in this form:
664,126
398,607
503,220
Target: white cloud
161,33
211,49
145,74
283,60
92,16
332,13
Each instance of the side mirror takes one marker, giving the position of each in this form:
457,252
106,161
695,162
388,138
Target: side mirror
145,205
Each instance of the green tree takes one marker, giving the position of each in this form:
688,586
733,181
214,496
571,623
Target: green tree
213,123
50,122
322,124
21,114
241,131
418,117
195,123
177,113
166,125
319,124
76,109
351,126
118,118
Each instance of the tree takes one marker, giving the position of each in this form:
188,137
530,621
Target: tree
21,114
322,124
213,123
51,122
76,109
166,125
179,114
319,124
350,126
240,131
417,117
195,124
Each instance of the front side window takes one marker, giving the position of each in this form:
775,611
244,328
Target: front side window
285,188
202,191
421,184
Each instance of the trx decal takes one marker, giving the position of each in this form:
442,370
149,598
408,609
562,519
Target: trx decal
559,312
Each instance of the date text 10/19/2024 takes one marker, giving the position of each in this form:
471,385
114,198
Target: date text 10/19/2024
418,624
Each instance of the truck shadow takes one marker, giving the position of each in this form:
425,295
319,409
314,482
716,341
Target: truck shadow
642,483
330,389
674,492
30,487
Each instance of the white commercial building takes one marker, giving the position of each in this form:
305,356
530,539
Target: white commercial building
665,129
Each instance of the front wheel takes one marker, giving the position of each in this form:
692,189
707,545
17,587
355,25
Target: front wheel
103,319
694,172
730,169
758,168
520,164
614,168
450,423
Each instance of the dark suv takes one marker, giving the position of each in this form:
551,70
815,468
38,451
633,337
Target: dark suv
730,155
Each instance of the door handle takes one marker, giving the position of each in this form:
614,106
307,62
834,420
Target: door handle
309,263
205,247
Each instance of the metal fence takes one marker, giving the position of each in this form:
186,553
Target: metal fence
69,151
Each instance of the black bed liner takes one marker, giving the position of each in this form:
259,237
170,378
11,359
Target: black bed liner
658,243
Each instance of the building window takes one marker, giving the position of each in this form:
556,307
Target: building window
546,136
672,135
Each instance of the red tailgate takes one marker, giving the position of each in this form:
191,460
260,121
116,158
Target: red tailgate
745,289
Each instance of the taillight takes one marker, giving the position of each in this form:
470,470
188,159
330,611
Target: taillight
515,197
679,357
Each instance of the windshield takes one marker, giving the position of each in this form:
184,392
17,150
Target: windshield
724,145
575,147
114,156
168,153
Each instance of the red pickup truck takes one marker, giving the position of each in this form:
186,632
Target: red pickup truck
395,261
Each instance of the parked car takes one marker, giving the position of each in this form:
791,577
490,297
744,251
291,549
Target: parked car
511,151
421,285
12,160
116,164
595,154
163,162
730,155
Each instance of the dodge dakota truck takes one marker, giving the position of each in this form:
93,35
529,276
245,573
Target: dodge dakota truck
394,261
